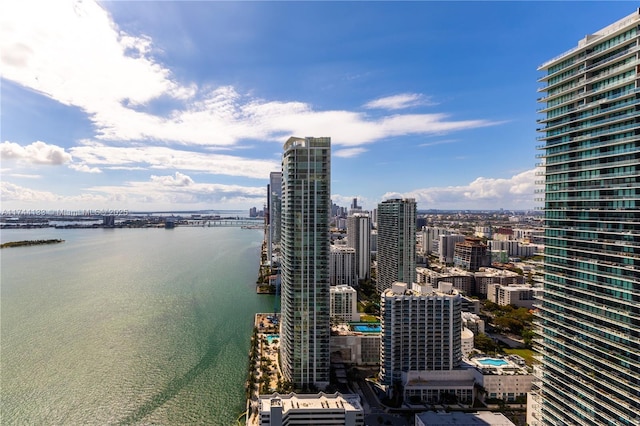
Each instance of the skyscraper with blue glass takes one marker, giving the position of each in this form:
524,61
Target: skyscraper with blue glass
589,316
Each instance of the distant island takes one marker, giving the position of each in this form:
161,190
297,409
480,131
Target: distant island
29,243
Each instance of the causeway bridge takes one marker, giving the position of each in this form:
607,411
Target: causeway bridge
237,223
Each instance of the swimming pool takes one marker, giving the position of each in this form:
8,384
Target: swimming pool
366,328
495,362
272,337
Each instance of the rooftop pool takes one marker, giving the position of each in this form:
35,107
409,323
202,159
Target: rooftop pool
366,327
495,362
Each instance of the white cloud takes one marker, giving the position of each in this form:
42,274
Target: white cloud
84,168
137,195
36,153
178,180
441,142
167,158
401,101
17,195
348,152
182,190
74,53
516,192
24,175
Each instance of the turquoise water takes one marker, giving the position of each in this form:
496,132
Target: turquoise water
128,326
366,328
492,361
272,337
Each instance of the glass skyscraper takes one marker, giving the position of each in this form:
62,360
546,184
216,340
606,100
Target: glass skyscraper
304,249
589,316
396,258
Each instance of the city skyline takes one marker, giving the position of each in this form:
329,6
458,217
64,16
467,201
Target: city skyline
185,106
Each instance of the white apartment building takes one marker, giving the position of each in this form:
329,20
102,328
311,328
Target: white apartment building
344,303
342,266
310,409
421,329
473,322
466,339
502,378
521,296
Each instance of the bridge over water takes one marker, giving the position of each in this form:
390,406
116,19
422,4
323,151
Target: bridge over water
238,223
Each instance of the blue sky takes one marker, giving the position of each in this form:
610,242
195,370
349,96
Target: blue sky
186,105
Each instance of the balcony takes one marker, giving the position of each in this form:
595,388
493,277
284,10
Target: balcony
622,54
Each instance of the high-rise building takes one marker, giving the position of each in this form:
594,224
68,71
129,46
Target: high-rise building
396,257
342,266
471,254
359,238
274,196
306,204
447,246
421,329
589,316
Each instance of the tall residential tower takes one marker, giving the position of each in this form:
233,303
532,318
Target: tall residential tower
359,238
396,256
590,314
306,205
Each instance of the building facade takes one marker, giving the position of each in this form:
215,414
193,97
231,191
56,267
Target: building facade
421,330
344,303
359,238
274,196
446,247
396,256
590,312
342,266
471,254
520,296
305,317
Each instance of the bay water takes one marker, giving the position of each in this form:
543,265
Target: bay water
127,326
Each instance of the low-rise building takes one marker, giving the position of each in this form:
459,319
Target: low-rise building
439,387
481,418
521,296
310,409
473,322
507,378
356,347
488,276
467,341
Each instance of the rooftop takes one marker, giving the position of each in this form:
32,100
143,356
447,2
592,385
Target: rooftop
292,401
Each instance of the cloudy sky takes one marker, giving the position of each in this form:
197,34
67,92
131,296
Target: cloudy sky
186,105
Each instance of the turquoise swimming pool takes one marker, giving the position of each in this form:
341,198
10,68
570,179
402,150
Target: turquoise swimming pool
366,328
495,362
272,337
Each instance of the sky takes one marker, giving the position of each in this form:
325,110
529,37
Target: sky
186,105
